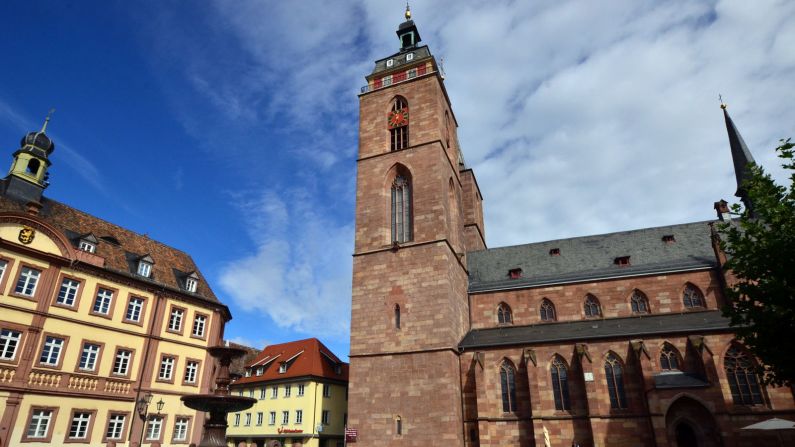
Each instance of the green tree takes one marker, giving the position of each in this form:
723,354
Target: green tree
760,247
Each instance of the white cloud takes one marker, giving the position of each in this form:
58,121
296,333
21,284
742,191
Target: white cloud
299,273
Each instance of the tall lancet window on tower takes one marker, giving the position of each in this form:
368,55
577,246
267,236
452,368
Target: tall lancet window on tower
398,122
401,209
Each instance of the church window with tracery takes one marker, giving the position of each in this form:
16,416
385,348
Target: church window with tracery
669,360
508,387
640,305
398,123
741,373
401,209
615,382
560,384
547,310
692,297
504,315
592,307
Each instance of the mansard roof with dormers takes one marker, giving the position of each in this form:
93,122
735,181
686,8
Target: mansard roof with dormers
646,251
117,247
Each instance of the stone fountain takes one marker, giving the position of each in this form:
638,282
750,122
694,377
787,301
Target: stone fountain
221,402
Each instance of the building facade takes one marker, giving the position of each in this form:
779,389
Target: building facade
606,340
94,317
302,392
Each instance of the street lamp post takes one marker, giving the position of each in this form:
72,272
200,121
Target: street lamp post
142,407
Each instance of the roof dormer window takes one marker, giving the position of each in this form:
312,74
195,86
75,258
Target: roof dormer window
622,261
515,273
87,246
260,370
283,368
191,282
669,239
248,372
145,266
554,252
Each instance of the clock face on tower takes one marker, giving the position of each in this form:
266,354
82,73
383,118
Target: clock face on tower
398,118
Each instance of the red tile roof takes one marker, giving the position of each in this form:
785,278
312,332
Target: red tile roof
307,357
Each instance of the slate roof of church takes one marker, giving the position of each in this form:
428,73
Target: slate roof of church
593,257
581,330
170,267
309,357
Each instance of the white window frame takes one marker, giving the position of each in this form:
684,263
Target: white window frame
237,420
325,417
87,246
247,422
272,418
181,429
199,325
3,266
175,320
260,418
262,393
39,425
154,427
9,342
287,390
274,392
78,428
135,308
67,293
103,301
285,417
300,389
166,368
190,284
89,356
299,417
191,371
326,390
51,351
27,282
115,429
144,269
121,362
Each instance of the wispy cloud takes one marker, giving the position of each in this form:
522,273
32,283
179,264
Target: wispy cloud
300,270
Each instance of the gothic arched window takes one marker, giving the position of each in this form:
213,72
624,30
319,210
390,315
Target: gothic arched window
592,308
504,315
615,382
639,302
669,358
508,387
692,297
401,209
547,310
741,373
398,123
560,384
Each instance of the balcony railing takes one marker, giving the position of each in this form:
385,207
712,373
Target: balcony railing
397,78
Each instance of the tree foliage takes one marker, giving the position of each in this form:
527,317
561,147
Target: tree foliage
760,247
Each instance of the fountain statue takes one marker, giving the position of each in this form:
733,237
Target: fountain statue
221,402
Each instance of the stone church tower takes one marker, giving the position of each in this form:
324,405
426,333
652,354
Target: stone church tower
418,212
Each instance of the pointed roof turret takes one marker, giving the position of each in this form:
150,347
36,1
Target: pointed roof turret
407,32
741,157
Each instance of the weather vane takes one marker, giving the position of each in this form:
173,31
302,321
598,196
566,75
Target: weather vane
722,104
47,120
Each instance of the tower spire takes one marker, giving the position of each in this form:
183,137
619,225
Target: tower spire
741,157
47,121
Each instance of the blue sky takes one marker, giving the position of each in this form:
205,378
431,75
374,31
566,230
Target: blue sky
228,129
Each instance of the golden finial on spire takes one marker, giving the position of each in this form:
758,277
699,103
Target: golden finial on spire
722,104
47,120
408,11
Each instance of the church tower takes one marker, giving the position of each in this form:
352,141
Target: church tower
28,176
417,214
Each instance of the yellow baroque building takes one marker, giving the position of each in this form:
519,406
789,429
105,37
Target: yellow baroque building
93,318
302,392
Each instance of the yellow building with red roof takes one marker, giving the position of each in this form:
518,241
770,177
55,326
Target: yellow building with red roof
302,392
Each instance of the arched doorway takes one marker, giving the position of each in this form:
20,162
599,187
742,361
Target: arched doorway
690,424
